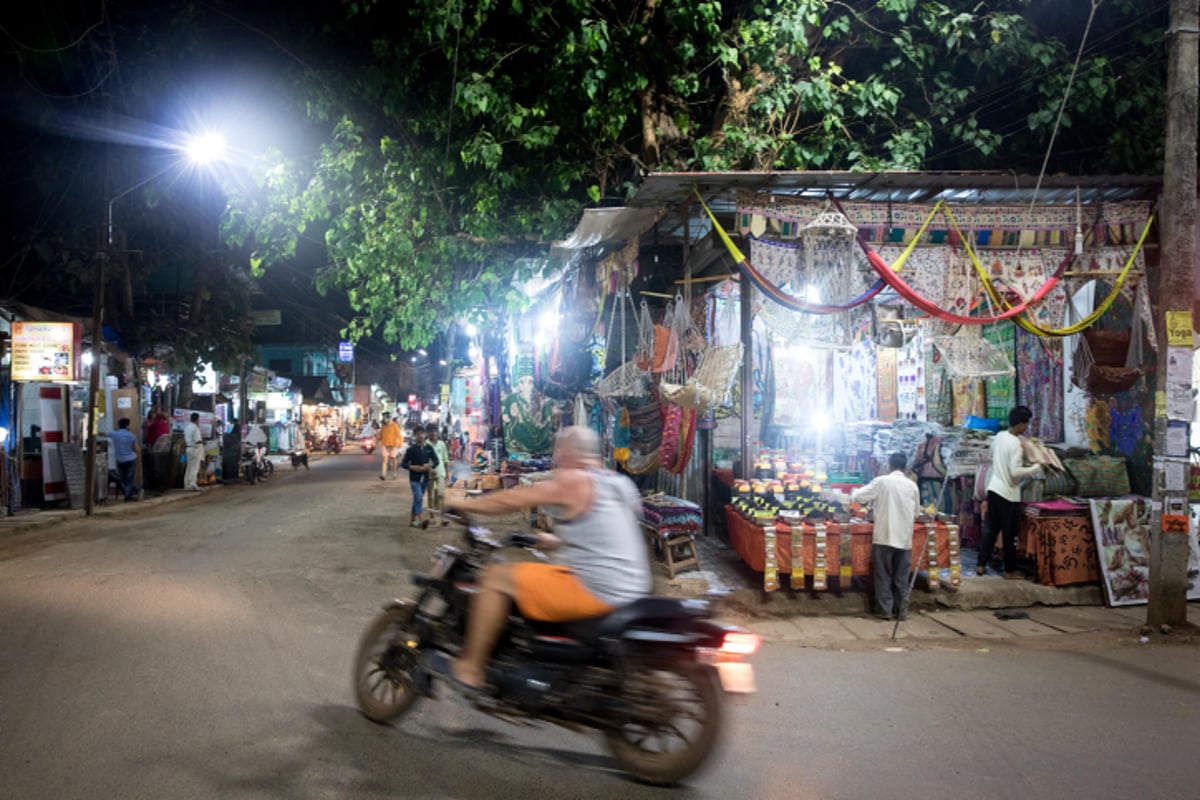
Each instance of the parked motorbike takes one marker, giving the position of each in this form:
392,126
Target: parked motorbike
333,444
368,444
299,459
649,676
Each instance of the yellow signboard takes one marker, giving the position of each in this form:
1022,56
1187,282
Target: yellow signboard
1179,329
43,351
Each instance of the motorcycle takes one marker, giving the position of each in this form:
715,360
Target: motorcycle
333,444
368,444
647,673
254,466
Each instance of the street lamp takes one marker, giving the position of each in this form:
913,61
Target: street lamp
199,149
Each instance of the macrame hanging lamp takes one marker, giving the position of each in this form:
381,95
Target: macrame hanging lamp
708,383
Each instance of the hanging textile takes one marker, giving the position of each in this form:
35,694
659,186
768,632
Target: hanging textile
1000,390
969,399
1039,383
679,425
855,387
939,393
621,438
886,370
910,379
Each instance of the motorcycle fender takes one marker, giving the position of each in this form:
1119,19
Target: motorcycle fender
399,605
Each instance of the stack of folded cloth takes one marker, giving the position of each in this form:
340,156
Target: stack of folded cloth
666,512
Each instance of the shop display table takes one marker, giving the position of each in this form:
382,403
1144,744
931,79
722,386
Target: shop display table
1058,536
843,550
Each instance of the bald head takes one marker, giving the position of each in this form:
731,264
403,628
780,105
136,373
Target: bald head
576,446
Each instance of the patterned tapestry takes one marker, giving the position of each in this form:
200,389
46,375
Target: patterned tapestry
939,394
1039,384
1000,392
885,359
854,389
910,380
969,399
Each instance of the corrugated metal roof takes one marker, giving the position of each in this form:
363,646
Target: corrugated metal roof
606,229
996,188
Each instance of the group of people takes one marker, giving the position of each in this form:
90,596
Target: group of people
896,499
427,461
155,430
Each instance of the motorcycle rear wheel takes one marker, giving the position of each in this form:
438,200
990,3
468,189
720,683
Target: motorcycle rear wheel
384,687
672,701
268,468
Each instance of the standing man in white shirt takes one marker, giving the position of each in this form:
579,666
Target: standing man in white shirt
1004,494
195,452
895,497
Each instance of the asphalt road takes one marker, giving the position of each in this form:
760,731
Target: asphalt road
202,650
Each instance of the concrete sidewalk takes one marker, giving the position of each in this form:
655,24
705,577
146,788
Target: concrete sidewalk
981,628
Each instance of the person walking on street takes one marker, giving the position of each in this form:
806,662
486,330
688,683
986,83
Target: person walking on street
390,440
437,486
1004,494
195,452
895,498
125,446
420,461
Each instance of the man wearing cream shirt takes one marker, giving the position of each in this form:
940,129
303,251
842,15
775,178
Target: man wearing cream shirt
1004,494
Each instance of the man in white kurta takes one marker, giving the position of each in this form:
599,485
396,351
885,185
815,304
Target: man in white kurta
895,499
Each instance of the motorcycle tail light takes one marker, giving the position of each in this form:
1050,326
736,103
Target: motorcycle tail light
740,643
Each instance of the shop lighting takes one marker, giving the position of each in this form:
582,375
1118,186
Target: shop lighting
422,353
87,358
821,421
812,294
3,435
471,329
441,362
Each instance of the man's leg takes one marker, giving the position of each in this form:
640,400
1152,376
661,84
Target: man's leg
193,469
901,580
1011,520
881,564
486,618
991,526
128,469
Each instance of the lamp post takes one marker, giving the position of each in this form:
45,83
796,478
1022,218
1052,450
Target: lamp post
199,150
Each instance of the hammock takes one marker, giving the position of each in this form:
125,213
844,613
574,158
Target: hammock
794,303
629,379
1026,322
679,423
1109,362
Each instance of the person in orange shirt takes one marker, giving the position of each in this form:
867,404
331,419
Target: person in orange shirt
391,438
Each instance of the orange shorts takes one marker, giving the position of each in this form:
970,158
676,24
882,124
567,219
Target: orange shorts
550,593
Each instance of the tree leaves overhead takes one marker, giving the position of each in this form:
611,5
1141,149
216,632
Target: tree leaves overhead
463,137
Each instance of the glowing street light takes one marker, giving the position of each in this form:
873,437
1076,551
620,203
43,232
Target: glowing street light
205,148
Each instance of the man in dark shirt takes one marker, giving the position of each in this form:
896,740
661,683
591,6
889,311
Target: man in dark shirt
124,445
420,460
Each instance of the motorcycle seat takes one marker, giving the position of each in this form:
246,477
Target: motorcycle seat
642,610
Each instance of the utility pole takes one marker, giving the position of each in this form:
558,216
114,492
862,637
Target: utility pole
1169,529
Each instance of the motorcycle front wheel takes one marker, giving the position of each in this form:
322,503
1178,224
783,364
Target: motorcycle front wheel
268,468
384,687
673,725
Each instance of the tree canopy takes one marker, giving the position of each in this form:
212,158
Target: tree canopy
462,138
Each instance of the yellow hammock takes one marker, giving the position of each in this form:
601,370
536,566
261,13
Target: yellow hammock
1026,322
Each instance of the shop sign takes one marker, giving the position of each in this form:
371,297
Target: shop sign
270,316
345,352
180,416
44,351
412,401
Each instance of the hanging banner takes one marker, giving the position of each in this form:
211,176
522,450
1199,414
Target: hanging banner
44,351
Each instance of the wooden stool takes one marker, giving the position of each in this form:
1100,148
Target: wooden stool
671,542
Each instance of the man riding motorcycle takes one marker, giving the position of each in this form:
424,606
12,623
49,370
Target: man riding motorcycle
601,557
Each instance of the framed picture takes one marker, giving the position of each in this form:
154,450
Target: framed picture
1122,528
